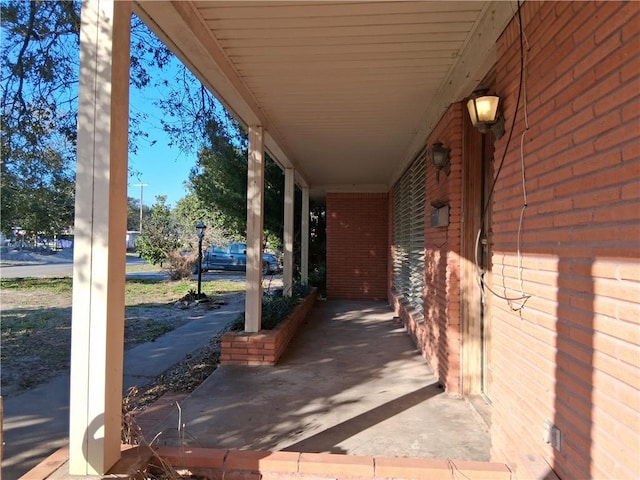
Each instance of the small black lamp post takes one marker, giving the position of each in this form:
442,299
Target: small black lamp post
200,228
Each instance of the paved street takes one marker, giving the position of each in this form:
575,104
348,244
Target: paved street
53,268
64,268
50,270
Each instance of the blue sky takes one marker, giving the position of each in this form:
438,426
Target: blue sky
163,168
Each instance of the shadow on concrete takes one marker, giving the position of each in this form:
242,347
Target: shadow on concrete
351,382
327,440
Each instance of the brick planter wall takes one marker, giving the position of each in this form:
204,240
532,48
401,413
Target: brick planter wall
267,346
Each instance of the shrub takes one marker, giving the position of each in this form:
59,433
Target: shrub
275,308
179,266
318,278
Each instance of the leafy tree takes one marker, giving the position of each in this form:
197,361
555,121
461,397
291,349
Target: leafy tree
189,211
40,54
40,71
40,201
39,77
159,235
274,202
317,245
220,180
39,87
133,213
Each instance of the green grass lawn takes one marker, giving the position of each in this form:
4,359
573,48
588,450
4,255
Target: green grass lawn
137,291
35,321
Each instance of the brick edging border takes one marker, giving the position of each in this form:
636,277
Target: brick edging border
246,464
267,346
255,464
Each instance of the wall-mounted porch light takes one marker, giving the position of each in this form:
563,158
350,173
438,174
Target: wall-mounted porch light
440,159
483,110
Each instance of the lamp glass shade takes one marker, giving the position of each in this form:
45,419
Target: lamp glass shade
439,157
200,228
483,109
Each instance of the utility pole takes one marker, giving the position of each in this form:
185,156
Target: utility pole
141,185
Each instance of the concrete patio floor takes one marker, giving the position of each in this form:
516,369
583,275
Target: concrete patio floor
351,382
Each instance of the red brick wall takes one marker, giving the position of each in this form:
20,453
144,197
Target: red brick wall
438,334
357,245
571,355
442,256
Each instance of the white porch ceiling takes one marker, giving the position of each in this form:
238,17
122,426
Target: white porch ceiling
347,91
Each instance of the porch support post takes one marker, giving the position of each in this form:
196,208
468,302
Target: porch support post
289,190
304,243
255,222
97,334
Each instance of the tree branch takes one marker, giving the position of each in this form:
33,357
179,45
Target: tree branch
20,60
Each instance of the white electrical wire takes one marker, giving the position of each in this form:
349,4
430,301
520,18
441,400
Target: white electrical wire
479,273
484,284
517,18
524,182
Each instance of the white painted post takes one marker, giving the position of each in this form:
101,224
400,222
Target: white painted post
97,334
304,247
289,197
255,236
